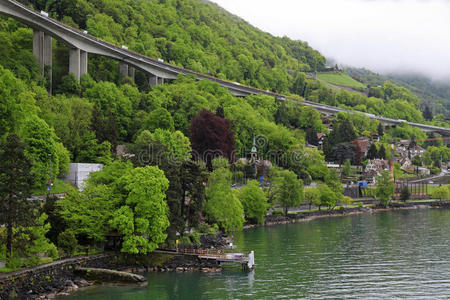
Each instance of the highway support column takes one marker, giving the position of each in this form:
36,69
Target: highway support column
154,80
42,50
78,63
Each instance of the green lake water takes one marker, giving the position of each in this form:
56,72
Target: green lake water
388,255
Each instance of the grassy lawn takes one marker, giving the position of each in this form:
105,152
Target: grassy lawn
340,79
58,187
402,175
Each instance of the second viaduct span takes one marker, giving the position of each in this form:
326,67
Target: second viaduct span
81,44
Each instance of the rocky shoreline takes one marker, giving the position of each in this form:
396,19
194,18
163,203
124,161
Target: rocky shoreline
71,287
62,279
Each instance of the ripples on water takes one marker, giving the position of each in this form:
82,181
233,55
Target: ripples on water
389,255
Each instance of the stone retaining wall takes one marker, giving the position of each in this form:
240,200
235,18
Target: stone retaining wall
304,216
46,279
60,276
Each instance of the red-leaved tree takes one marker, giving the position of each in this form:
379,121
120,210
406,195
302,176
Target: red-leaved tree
211,137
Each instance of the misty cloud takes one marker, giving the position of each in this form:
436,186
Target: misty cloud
381,35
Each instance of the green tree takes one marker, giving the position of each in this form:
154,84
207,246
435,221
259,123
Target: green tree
312,196
254,201
143,219
16,182
346,131
405,193
311,118
298,87
87,213
112,111
381,152
159,118
289,189
69,85
90,151
385,188
442,193
178,145
41,149
372,152
30,241
327,197
347,169
380,129
332,180
68,242
220,162
222,207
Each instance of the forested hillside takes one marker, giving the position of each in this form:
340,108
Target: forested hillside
435,94
166,181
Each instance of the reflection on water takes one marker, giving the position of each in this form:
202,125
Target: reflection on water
402,254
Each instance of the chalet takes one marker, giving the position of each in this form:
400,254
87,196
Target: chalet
321,138
403,146
370,176
405,163
423,171
377,165
375,137
326,120
416,151
373,169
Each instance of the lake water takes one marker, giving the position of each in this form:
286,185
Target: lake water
398,254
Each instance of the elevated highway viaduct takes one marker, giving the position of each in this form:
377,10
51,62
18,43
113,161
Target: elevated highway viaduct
81,44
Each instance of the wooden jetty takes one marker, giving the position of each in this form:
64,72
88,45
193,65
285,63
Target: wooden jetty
247,260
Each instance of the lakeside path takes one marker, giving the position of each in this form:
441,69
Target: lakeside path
73,260
312,215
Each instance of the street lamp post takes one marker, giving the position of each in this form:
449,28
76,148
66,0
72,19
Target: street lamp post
49,182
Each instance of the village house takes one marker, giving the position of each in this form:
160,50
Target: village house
416,151
402,147
326,120
373,169
423,171
375,137
321,138
405,163
405,149
377,165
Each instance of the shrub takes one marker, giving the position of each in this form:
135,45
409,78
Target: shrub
14,263
52,252
405,194
68,242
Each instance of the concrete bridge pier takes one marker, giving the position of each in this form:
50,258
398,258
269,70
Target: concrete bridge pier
42,50
131,72
154,80
78,63
126,70
123,69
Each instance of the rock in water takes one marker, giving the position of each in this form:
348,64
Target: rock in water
110,276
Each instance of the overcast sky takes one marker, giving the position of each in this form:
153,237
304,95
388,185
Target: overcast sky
381,35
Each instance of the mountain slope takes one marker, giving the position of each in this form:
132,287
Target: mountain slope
434,94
